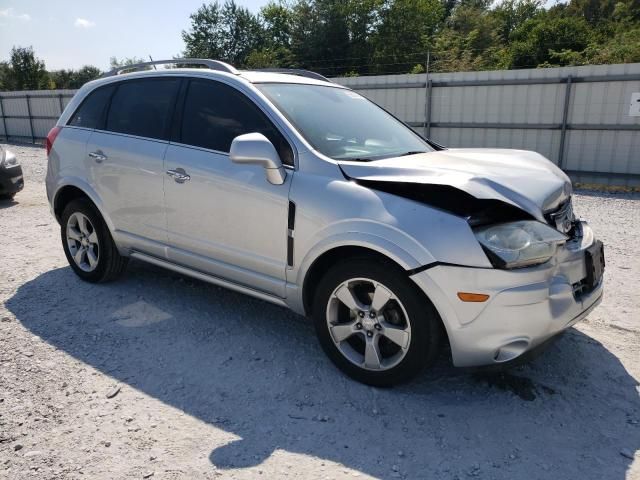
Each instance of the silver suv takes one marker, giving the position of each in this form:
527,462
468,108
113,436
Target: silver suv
298,191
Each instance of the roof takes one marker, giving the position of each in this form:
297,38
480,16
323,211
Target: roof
216,67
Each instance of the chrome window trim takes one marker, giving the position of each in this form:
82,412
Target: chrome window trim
136,137
79,128
216,152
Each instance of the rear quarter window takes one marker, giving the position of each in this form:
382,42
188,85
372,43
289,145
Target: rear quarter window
89,113
143,107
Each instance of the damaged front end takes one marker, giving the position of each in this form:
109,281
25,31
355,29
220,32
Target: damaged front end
471,182
512,227
477,212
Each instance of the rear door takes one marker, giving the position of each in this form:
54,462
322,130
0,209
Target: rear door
226,219
125,158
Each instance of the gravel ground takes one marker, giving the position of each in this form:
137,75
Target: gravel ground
157,375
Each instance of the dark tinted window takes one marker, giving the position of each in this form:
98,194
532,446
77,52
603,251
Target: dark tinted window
90,112
214,114
143,107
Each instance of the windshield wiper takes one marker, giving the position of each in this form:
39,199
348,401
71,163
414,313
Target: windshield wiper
412,153
354,159
380,157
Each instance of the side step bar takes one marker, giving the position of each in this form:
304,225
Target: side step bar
208,278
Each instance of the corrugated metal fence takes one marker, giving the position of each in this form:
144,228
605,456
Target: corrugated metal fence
29,115
576,116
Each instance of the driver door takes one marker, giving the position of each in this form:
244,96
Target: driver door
224,218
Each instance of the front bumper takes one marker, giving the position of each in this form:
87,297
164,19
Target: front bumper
11,180
526,306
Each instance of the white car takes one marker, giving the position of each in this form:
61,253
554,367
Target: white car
298,191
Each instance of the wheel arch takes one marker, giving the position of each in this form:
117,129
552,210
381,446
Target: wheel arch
73,190
326,260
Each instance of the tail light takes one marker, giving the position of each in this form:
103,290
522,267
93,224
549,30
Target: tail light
51,137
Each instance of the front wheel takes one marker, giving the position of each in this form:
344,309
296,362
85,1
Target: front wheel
374,323
87,243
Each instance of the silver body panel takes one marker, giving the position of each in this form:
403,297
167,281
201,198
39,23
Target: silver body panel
228,224
225,198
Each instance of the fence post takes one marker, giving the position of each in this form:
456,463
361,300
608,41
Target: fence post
60,103
565,118
33,138
429,92
4,120
427,98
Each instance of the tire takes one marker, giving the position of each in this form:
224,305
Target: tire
7,196
101,261
415,322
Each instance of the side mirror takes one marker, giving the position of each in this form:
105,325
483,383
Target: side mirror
256,149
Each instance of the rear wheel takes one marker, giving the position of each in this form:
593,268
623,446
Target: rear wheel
374,323
87,243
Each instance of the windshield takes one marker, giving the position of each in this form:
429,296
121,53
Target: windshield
341,124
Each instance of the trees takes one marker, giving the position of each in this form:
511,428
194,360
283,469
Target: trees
223,31
406,29
339,37
25,71
360,37
72,79
124,62
548,40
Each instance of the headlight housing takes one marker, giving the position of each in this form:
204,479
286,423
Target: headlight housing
519,244
7,159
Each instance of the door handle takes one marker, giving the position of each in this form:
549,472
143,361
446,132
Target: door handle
98,156
179,175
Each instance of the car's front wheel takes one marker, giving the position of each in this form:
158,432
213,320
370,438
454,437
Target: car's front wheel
87,243
374,323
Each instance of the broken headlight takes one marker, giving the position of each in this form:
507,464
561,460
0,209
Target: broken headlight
519,244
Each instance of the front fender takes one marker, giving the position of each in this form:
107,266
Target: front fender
394,245
398,249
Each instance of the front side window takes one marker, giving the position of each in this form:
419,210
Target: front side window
342,124
90,112
214,114
143,107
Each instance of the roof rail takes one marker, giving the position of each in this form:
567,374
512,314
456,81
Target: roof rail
211,64
296,71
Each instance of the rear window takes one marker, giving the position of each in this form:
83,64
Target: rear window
143,107
90,112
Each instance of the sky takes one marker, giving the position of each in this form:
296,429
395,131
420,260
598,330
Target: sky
72,33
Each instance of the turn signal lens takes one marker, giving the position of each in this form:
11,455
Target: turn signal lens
472,297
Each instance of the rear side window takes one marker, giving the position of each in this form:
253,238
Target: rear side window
143,107
214,114
89,114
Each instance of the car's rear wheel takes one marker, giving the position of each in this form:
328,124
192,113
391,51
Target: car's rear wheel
87,243
374,323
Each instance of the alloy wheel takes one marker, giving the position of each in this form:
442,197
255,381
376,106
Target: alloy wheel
82,241
368,324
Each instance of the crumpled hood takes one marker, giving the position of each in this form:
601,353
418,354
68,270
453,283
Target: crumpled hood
518,177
